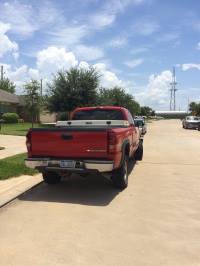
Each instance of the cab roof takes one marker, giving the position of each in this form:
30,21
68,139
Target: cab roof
100,107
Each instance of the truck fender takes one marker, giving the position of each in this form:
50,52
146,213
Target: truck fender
124,145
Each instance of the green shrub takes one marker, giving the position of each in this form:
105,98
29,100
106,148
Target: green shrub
10,117
62,116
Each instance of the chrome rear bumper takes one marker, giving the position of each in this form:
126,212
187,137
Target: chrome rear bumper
45,163
192,125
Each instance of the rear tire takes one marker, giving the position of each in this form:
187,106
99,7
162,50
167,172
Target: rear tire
51,178
120,175
139,152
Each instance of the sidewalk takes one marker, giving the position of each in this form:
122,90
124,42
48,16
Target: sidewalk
13,145
13,187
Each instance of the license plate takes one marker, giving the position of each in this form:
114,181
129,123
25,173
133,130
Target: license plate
67,164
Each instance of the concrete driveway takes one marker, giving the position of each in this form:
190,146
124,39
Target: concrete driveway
13,145
154,222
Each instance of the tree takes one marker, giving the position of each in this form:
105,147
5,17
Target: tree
194,108
7,85
147,111
32,99
73,88
118,97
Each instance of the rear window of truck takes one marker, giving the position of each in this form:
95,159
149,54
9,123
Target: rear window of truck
98,114
139,122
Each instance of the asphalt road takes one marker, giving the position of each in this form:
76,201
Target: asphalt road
155,221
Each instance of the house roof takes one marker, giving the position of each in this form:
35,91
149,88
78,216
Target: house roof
6,97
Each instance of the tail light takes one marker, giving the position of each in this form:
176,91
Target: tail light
112,141
28,141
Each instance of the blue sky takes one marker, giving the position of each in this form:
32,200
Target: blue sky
132,43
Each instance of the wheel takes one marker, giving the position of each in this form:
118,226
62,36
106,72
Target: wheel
199,128
120,175
51,178
139,152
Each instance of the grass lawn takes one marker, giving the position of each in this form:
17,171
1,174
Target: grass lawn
14,166
19,129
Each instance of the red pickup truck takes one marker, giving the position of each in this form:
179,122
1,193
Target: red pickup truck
96,139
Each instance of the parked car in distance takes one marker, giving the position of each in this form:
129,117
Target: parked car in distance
191,122
96,139
140,123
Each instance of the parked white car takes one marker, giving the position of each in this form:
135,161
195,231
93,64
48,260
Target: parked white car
140,123
191,122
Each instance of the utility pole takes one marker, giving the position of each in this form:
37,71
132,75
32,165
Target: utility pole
2,73
41,101
170,103
173,91
41,92
188,105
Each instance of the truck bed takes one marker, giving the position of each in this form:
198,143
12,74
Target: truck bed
72,142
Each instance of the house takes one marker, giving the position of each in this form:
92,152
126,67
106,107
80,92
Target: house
9,103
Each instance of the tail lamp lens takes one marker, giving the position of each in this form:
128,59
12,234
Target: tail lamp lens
112,141
28,141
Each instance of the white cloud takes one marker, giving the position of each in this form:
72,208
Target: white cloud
17,75
198,46
19,16
52,59
134,63
168,37
118,42
48,14
102,20
67,36
4,27
146,26
84,65
156,93
34,73
49,61
108,78
139,50
186,67
109,12
88,53
6,45
20,75
27,18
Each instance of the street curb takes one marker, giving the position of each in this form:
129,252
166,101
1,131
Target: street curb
16,191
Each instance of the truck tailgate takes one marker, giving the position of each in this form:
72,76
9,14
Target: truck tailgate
69,143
